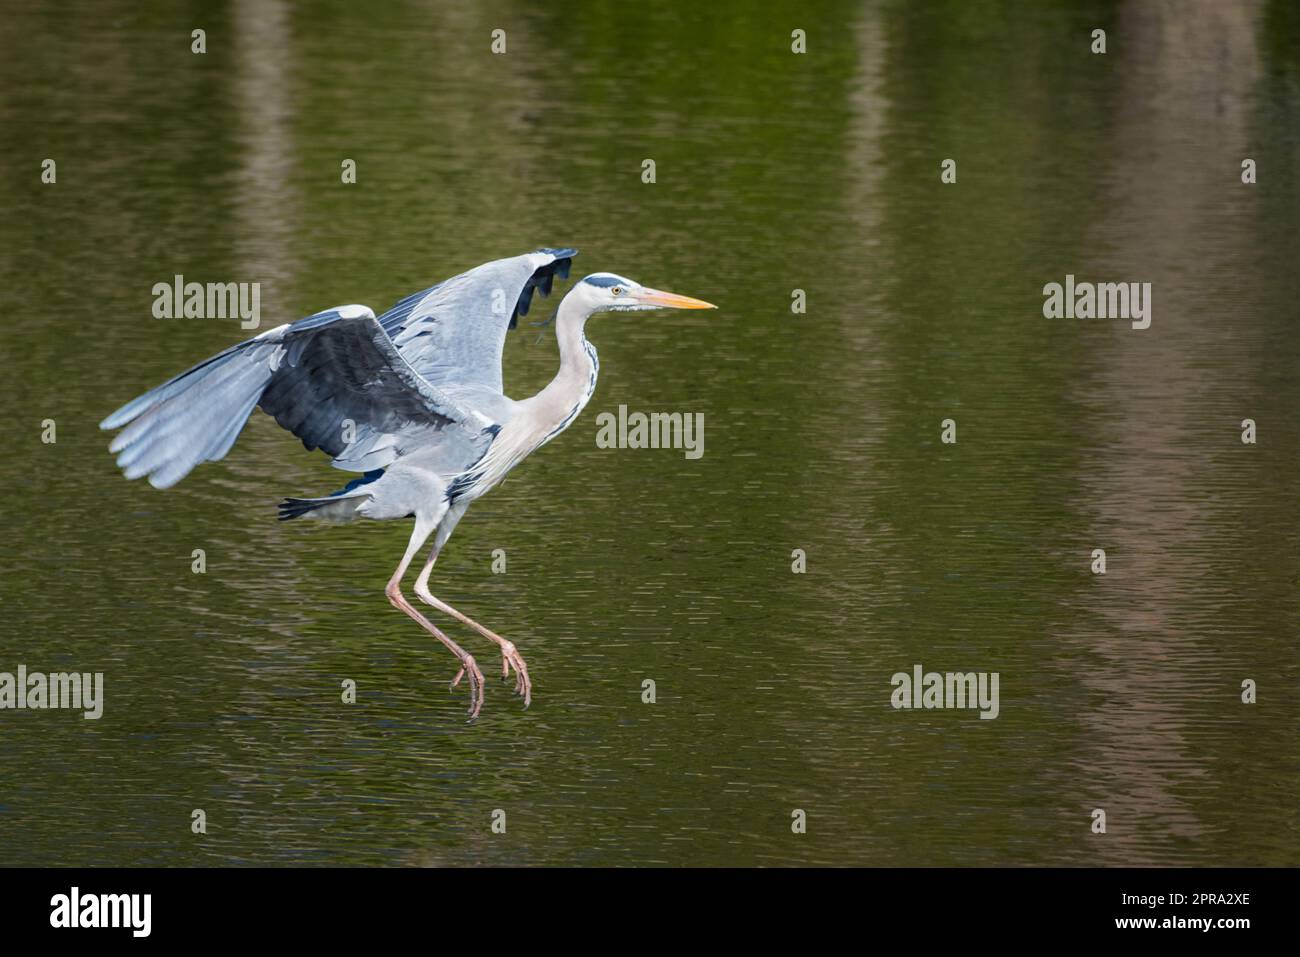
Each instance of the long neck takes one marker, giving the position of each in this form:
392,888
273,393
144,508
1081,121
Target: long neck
559,403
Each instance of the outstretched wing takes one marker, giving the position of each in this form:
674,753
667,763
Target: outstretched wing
334,379
453,333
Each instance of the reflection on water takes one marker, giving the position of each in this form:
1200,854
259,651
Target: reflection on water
775,172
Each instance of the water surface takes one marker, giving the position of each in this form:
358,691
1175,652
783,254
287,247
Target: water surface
774,172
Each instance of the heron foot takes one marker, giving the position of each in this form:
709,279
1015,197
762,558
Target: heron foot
510,657
469,667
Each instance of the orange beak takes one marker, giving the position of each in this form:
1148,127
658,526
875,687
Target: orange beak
670,300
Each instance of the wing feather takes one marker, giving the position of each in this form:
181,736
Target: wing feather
453,333
314,377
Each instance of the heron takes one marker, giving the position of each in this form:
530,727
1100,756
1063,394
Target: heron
413,400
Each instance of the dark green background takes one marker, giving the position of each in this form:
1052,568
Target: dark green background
775,172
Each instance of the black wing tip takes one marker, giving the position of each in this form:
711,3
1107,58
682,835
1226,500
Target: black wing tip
559,252
543,279
296,507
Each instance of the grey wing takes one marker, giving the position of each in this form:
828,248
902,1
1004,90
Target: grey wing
453,333
334,379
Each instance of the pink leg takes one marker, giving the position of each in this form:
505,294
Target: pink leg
467,664
509,654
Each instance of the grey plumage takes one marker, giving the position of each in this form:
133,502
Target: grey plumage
431,362
454,332
413,399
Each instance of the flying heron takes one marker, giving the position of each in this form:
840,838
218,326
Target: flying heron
413,399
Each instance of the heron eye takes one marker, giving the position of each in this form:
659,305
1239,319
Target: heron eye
617,290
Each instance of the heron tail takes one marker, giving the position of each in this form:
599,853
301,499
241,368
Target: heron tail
192,418
332,508
341,506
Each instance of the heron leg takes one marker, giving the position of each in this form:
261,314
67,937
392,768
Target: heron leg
394,592
510,656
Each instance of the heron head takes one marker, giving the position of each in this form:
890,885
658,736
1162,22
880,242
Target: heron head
607,292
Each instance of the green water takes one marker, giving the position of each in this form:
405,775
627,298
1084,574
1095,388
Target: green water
774,172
